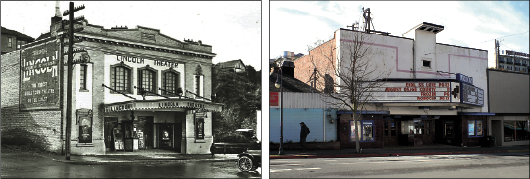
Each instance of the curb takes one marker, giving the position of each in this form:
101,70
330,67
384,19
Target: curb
104,162
390,154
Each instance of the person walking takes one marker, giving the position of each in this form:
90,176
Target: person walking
303,135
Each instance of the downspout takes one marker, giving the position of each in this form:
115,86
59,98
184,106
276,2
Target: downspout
324,124
414,60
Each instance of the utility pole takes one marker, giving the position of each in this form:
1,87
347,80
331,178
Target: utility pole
496,54
70,32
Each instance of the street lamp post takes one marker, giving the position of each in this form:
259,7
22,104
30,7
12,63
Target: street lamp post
280,85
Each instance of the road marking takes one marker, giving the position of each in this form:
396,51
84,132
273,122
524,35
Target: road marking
307,168
278,170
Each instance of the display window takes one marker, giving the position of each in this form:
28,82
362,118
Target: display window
366,130
516,130
474,128
415,126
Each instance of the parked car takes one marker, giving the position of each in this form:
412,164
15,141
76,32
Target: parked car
249,152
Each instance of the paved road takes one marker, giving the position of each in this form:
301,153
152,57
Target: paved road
501,165
32,165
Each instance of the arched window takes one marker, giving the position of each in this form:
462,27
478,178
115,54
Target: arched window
147,80
120,78
170,82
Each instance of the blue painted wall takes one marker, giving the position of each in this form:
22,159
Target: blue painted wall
313,118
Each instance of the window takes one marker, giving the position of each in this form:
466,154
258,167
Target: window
517,69
427,63
198,87
449,129
82,76
170,80
120,78
10,42
366,130
474,128
516,130
199,128
19,43
501,67
501,59
147,80
415,126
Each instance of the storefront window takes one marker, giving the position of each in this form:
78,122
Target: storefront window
474,128
516,130
449,129
366,130
415,126
120,78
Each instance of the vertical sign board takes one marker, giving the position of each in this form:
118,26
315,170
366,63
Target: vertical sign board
39,77
273,98
471,94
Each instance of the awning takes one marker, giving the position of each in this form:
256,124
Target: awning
163,105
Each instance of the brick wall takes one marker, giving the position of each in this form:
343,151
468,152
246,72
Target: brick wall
40,129
320,58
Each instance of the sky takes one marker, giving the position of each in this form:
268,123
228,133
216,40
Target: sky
296,24
233,28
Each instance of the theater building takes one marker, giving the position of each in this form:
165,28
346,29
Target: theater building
434,93
133,89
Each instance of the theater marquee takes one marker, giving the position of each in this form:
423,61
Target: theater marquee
417,92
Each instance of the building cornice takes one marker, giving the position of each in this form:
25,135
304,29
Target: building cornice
127,43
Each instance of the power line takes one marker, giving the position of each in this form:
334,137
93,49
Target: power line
502,37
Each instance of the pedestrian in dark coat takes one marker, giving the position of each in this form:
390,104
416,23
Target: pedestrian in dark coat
303,135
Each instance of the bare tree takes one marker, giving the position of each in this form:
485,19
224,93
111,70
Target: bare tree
348,78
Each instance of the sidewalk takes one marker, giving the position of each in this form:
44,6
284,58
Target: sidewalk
141,157
396,151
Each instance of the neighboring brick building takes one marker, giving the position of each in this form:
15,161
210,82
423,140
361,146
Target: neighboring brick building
13,40
133,88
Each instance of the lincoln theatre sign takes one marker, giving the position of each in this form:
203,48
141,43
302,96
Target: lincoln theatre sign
162,104
39,77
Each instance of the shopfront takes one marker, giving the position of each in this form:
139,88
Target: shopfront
145,125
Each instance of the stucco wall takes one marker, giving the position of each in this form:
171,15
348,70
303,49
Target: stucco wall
314,118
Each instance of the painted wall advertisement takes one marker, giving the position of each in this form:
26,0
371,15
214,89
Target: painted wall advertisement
39,77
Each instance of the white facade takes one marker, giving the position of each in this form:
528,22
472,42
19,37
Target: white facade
405,57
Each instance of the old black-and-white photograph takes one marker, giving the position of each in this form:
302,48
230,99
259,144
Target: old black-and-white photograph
131,89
